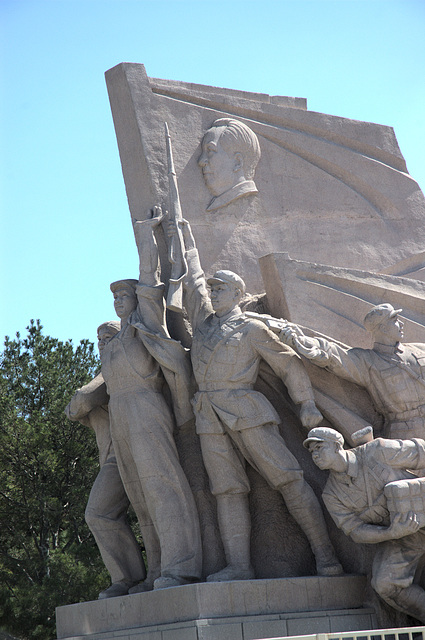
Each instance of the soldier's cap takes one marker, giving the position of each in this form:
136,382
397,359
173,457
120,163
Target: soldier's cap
377,315
124,284
323,434
113,325
227,277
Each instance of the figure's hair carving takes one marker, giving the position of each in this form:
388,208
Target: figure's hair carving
237,137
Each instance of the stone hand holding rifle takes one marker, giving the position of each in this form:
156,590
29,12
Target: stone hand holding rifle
136,365
236,423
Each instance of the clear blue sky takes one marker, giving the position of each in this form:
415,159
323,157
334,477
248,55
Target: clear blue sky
66,231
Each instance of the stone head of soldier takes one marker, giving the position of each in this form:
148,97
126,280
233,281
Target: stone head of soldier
384,324
125,299
105,332
230,154
226,291
327,448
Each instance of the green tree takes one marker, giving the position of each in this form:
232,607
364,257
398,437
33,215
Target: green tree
48,464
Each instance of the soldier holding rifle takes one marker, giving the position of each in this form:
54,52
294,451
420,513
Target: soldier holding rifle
236,423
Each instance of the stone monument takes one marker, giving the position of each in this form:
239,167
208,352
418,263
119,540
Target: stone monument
357,497
258,178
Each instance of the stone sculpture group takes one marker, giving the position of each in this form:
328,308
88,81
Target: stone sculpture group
151,387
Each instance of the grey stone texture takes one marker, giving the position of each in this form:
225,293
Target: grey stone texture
334,300
335,195
330,190
211,610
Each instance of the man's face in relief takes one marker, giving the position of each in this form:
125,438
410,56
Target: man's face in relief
218,166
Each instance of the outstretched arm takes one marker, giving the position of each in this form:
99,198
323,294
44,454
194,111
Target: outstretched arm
293,336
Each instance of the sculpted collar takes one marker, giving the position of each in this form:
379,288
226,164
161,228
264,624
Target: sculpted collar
352,469
239,190
232,315
388,350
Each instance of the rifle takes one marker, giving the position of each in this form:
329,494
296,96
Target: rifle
176,248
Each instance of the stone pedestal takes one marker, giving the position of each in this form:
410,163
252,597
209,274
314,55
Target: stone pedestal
243,610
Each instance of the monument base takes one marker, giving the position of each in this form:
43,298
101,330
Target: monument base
240,610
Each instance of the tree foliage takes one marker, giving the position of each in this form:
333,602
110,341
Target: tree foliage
48,464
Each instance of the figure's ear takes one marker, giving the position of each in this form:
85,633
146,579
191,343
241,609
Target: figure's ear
238,165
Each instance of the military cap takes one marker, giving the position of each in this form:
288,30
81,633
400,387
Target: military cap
124,284
323,434
112,325
377,315
227,277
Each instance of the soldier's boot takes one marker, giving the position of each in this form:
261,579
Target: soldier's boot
235,528
410,600
304,507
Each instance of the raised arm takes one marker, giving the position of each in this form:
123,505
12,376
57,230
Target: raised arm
150,290
144,231
195,296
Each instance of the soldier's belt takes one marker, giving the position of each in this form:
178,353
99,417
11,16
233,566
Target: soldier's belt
218,386
418,412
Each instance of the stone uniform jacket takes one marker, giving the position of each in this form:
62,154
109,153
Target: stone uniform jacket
226,355
356,497
89,405
394,377
149,355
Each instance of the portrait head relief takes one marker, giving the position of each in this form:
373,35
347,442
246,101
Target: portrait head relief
230,154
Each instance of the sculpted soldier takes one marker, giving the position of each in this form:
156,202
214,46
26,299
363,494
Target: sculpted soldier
108,502
236,423
136,364
393,373
230,154
355,497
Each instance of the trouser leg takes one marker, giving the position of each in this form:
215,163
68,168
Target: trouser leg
266,450
235,529
134,491
106,517
393,572
304,507
144,441
230,485
410,600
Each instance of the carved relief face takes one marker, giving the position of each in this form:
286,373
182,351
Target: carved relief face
324,454
218,167
124,302
224,297
392,328
104,335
